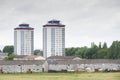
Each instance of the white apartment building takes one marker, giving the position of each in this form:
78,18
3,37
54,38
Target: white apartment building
53,39
24,40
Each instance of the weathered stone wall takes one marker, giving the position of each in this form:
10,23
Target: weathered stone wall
85,67
21,68
45,66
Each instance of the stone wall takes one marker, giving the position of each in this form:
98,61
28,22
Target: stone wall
30,66
21,68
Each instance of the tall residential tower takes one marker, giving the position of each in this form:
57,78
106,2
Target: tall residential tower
23,40
53,39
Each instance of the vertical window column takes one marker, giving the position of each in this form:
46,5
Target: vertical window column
53,42
22,42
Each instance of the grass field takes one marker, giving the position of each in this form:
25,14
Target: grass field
62,76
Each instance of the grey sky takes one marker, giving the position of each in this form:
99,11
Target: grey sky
86,20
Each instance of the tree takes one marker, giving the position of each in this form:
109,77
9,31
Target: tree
114,51
38,52
102,54
96,52
93,52
70,51
105,45
81,52
100,45
8,49
10,57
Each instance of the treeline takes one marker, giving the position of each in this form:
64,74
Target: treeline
96,51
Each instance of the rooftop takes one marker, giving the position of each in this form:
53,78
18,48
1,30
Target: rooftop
28,57
21,62
85,61
23,26
63,58
54,23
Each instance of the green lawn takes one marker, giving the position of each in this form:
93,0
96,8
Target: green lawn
62,76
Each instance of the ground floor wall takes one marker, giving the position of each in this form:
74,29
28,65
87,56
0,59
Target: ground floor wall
57,66
21,68
85,67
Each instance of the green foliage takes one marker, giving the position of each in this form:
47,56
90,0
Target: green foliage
10,57
96,52
100,45
38,52
102,54
105,45
70,51
114,51
8,49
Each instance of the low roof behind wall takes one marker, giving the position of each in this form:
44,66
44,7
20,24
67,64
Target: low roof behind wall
22,62
85,61
63,58
29,57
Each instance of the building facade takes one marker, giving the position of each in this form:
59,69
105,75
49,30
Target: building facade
29,66
53,39
24,40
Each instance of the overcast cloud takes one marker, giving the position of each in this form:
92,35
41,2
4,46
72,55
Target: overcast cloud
86,20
